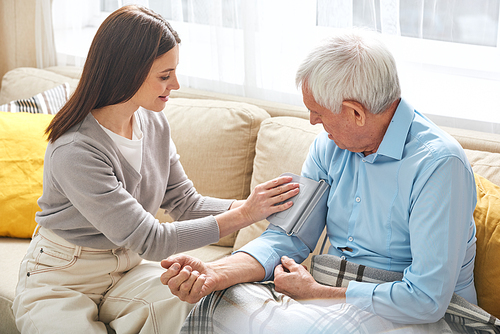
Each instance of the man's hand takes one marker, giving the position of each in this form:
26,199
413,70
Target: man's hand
295,281
191,279
188,278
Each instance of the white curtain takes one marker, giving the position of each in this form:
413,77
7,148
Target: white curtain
447,50
247,48
44,35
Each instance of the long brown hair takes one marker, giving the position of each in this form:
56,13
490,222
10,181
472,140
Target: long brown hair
119,60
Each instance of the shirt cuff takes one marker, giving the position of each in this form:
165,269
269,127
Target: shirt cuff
360,294
264,254
268,249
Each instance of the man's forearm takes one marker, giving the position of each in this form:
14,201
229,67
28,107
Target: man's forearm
238,268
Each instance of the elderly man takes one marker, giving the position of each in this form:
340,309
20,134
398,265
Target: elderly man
402,198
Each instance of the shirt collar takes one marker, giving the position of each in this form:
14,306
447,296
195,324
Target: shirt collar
394,140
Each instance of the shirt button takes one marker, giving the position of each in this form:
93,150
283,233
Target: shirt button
351,238
342,257
358,199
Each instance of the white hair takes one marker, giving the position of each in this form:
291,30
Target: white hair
353,65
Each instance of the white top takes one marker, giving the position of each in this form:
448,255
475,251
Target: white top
131,149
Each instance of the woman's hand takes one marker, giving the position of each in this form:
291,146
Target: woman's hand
266,199
269,197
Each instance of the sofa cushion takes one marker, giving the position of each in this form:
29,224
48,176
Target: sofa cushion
47,102
487,264
25,82
22,150
475,140
486,164
282,146
216,144
16,248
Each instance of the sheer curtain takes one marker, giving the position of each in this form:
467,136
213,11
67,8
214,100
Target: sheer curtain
447,50
44,36
247,48
447,53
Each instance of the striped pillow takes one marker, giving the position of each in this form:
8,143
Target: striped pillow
48,102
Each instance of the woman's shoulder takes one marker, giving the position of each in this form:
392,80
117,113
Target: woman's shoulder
86,136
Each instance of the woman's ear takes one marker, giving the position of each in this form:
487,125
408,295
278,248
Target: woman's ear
357,111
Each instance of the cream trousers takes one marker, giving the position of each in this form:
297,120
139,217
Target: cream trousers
64,288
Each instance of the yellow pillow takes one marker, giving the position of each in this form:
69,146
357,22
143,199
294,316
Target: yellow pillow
487,265
22,150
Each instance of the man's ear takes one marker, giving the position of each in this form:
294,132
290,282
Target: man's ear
357,111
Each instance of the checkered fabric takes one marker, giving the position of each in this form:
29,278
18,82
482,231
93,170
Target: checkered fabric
258,308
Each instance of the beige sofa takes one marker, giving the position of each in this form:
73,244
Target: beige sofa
228,145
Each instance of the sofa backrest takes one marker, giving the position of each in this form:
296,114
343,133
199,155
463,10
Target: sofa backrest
282,146
25,82
216,143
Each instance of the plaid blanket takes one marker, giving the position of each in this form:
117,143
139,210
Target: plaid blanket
258,308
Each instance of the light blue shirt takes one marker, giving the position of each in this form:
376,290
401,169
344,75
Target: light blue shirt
407,208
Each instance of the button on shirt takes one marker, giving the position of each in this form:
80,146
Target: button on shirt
407,208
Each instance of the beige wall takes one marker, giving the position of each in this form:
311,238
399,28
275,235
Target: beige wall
17,34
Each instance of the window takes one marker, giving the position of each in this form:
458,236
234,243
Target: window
467,22
447,50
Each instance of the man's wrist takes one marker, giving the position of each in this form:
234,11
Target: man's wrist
336,293
329,292
238,268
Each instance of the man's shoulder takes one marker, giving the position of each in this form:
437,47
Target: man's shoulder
435,140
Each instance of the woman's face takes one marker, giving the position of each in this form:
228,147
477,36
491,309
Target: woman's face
155,90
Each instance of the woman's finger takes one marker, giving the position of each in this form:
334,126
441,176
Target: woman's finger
275,182
286,194
283,189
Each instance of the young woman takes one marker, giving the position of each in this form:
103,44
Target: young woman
110,165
